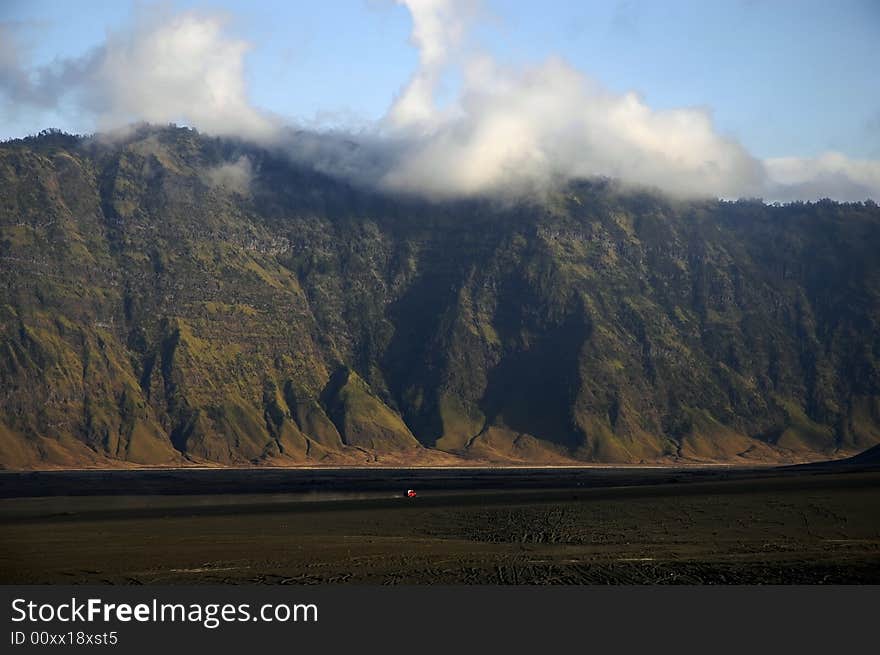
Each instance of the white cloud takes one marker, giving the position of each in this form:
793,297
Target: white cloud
180,68
439,27
233,176
832,175
550,122
184,69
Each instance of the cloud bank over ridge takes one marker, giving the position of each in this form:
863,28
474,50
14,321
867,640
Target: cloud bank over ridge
506,128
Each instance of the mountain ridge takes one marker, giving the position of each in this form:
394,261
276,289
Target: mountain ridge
170,298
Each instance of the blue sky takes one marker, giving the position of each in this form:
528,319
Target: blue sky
784,78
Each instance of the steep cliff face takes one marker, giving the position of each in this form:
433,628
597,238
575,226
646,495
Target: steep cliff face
170,298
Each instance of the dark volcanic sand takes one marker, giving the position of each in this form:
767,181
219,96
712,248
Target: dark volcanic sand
538,526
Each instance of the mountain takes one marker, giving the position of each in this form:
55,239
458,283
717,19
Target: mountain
169,298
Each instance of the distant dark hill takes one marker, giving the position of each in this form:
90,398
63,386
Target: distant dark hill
169,298
867,460
870,457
